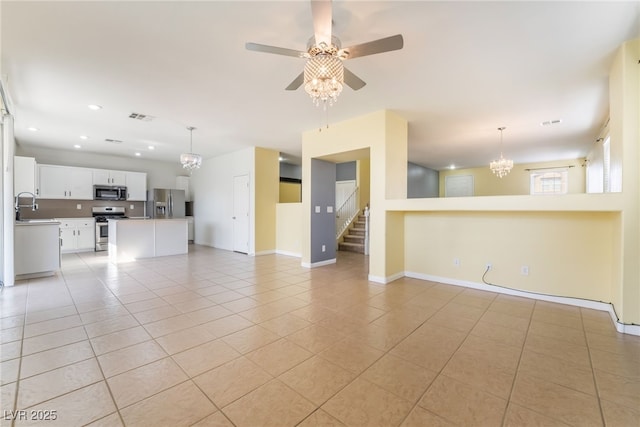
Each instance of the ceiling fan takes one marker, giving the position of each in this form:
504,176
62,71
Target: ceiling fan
324,74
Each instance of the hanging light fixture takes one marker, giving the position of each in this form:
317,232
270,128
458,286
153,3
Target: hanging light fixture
324,74
190,160
502,166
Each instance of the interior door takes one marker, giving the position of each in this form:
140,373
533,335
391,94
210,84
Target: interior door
241,214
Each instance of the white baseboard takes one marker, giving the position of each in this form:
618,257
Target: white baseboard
385,280
287,253
578,302
319,263
260,253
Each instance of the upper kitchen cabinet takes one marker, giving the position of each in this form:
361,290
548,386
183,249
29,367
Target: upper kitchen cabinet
107,177
63,182
183,183
136,183
25,175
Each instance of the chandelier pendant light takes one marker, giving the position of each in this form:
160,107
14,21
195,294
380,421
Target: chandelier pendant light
324,75
190,160
502,166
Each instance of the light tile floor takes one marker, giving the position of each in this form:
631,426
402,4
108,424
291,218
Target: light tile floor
217,339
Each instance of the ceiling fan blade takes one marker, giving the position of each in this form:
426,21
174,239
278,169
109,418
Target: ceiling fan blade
321,12
377,46
353,81
273,49
296,83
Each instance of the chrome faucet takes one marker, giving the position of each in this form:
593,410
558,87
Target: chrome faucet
33,204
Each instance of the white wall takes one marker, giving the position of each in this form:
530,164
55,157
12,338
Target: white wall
213,194
159,174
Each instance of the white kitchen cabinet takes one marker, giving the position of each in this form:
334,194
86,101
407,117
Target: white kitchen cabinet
64,182
77,234
136,186
24,175
108,177
184,183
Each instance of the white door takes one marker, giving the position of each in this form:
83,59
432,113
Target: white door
241,213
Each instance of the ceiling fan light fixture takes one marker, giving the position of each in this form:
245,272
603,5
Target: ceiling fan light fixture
190,160
324,78
502,166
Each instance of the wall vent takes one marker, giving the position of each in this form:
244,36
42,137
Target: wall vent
551,122
113,141
143,117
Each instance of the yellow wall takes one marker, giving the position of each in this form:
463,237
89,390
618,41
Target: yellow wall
290,192
568,253
363,167
266,179
288,228
517,182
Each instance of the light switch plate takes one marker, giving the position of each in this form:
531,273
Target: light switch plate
317,209
329,209
131,207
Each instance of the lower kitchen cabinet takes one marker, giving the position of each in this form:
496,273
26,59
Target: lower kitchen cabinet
77,235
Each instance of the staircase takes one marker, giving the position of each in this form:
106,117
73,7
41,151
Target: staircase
354,238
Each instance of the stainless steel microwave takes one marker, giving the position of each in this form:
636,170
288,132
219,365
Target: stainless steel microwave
107,192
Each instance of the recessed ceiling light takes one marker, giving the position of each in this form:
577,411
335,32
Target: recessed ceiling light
452,167
138,154
95,107
33,129
151,147
84,137
77,146
551,122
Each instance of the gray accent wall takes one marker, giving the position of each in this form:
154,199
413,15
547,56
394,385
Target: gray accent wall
422,182
288,170
323,224
346,171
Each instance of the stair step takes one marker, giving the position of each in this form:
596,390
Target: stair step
351,247
356,232
350,238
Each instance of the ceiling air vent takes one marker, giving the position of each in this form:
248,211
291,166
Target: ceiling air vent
143,117
551,122
113,141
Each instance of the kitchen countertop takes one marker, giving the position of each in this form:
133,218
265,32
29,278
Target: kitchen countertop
37,222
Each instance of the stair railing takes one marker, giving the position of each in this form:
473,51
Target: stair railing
366,229
346,213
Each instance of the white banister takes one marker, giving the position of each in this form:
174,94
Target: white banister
346,212
366,230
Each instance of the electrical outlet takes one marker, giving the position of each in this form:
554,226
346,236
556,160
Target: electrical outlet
78,206
456,262
488,266
524,270
324,248
131,206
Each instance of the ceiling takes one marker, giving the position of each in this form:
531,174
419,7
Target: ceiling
466,69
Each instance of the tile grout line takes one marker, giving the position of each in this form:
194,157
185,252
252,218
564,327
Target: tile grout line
593,371
515,376
104,378
24,324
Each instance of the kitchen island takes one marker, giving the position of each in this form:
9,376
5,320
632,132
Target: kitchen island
36,248
147,238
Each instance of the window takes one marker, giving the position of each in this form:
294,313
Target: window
550,181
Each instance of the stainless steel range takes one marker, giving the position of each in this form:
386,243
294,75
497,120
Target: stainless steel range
103,214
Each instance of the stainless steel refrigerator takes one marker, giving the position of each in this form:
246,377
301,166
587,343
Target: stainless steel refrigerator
165,203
